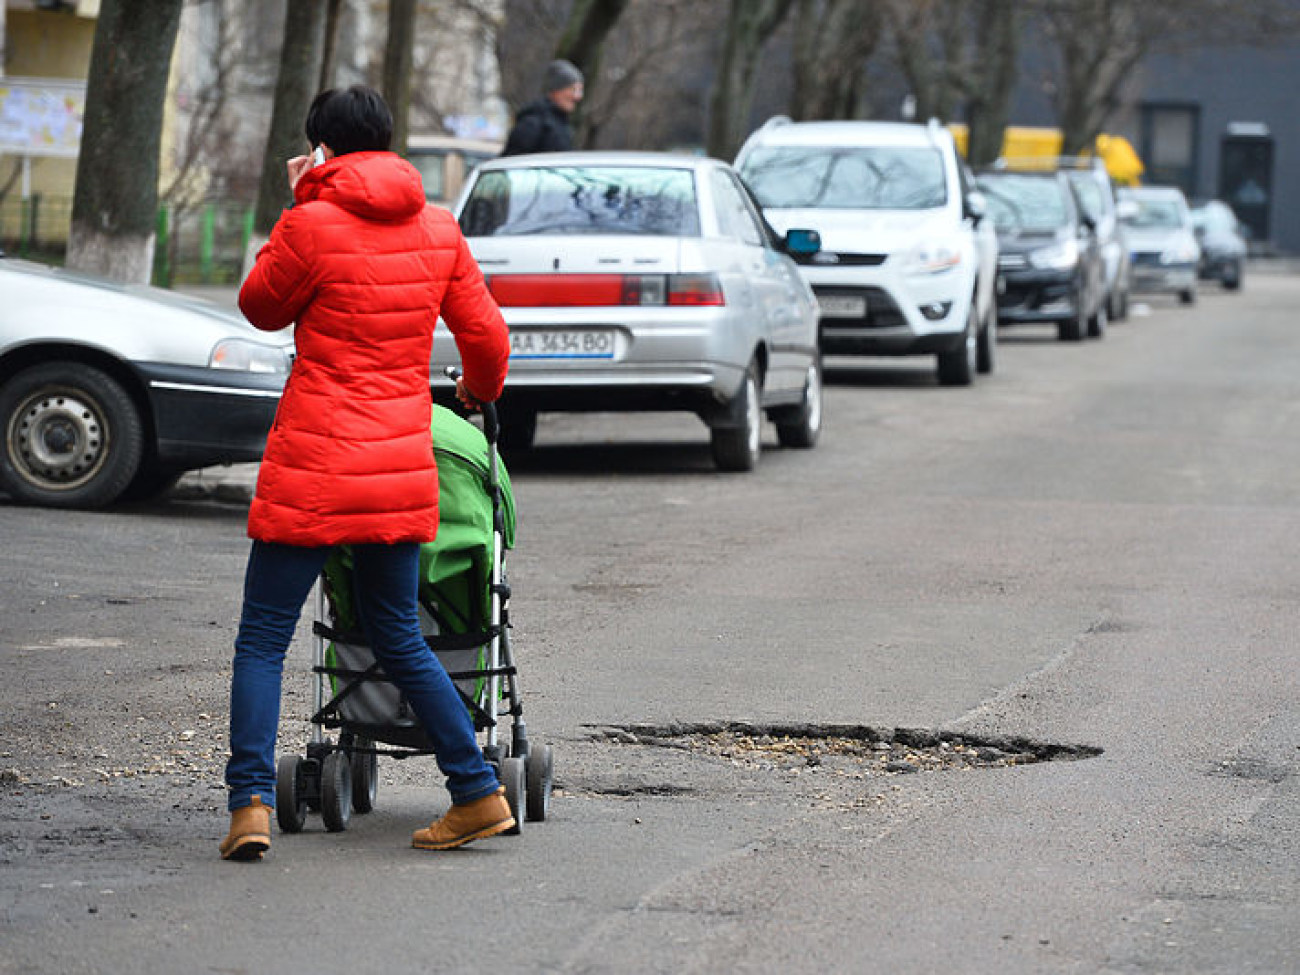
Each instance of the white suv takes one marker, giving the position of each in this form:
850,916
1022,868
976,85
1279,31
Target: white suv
908,264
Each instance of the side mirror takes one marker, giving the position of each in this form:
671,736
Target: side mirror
1090,223
802,243
977,207
1126,210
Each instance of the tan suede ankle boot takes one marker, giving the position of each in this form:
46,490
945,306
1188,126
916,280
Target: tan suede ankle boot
471,821
250,832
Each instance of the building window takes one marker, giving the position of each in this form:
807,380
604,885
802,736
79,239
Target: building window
1169,138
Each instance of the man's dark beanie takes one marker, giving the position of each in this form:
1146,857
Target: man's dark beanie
560,74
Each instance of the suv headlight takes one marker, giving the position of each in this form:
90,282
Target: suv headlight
929,258
241,355
1058,257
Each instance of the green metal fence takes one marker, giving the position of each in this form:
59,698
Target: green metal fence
204,244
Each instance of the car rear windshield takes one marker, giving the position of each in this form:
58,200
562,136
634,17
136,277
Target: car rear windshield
847,178
1025,202
582,200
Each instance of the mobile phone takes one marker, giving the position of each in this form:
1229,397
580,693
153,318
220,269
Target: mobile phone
318,156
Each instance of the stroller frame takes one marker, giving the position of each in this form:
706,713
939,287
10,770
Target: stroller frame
337,778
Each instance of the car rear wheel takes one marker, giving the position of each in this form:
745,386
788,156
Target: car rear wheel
1187,296
73,438
1097,323
800,427
1117,306
736,446
1232,276
518,428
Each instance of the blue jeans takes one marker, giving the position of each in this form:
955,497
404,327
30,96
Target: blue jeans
277,583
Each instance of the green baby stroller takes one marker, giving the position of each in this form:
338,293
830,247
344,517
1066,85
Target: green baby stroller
464,609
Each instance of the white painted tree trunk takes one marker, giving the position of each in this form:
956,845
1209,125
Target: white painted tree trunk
122,257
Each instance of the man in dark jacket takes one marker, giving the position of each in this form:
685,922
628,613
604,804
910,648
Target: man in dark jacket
543,125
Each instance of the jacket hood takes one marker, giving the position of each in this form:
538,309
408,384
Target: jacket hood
373,185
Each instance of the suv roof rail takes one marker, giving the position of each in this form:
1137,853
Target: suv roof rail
775,121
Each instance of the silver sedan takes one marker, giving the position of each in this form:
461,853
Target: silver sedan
645,281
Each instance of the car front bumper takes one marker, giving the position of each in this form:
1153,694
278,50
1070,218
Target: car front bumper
210,416
1149,276
882,310
1035,296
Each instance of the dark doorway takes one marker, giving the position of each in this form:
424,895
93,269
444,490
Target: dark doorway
1246,179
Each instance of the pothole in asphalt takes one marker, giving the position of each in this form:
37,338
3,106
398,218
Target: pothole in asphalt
882,751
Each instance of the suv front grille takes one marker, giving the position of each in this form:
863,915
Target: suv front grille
840,259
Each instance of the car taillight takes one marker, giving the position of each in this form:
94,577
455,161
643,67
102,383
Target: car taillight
695,289
594,290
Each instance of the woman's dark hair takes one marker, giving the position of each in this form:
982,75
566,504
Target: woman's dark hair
350,120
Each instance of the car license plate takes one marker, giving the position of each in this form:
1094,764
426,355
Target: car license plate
562,344
842,306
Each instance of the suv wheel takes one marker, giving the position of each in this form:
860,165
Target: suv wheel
957,366
736,447
986,345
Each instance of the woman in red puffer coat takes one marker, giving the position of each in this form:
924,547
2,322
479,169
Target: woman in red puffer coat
365,267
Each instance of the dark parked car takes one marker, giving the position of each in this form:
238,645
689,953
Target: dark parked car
1223,246
111,391
1050,261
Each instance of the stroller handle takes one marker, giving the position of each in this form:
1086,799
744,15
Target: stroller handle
490,425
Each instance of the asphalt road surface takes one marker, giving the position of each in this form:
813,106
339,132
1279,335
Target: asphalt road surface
998,679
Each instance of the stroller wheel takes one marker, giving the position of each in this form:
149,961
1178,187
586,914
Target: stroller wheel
290,803
512,777
336,791
540,773
365,777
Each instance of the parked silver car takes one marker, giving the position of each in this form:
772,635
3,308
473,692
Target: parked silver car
645,281
110,391
1163,244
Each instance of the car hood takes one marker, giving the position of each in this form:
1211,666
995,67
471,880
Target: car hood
865,231
578,254
132,322
1158,239
1019,241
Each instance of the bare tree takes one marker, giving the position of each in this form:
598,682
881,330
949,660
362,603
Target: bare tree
930,42
1099,43
399,57
833,39
300,63
750,23
116,197
992,77
582,42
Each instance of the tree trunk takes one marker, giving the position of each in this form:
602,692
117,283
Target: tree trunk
399,61
295,87
582,43
989,103
115,204
749,25
833,41
330,54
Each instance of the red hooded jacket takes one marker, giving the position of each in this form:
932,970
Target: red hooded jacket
365,267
